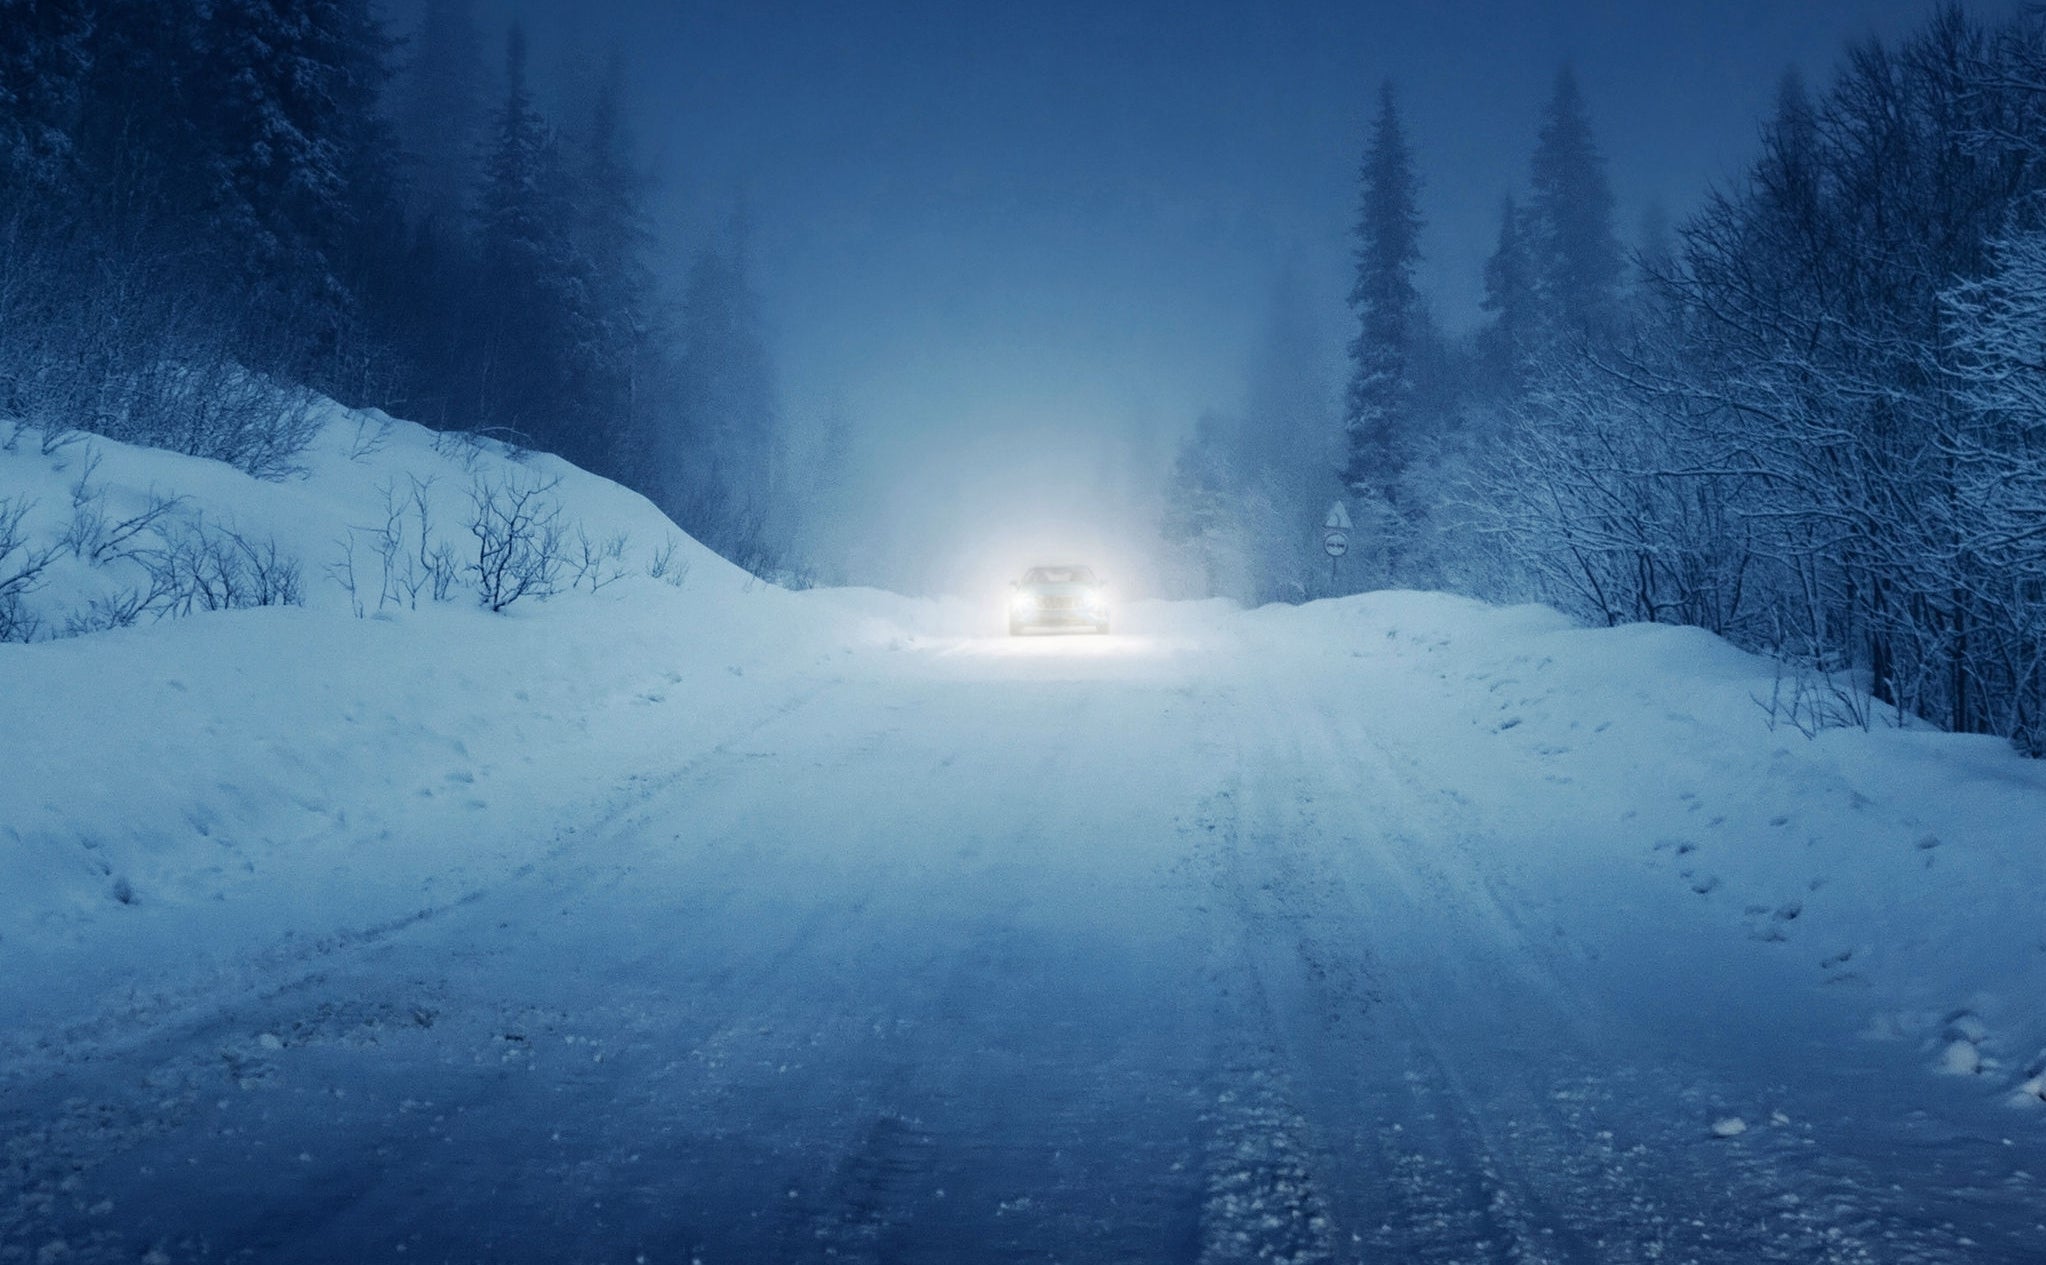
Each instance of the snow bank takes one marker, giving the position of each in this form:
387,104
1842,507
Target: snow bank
192,790
1895,874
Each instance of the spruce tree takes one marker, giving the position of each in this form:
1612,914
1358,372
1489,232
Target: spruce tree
44,58
441,115
533,293
723,461
141,135
614,240
296,155
1380,418
1506,343
1577,262
1378,408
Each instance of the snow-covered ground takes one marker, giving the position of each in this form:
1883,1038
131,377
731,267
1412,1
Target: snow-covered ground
690,919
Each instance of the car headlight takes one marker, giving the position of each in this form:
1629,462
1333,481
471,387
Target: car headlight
1023,601
1096,599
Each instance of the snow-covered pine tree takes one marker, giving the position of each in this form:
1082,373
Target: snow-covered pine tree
1205,517
297,157
532,297
1378,411
614,238
44,58
722,464
1285,445
1507,341
1577,261
440,116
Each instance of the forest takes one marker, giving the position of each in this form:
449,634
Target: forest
207,208
1809,415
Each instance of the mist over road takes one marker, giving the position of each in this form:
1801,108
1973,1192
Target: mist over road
1238,937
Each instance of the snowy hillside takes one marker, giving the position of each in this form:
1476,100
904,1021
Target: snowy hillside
1399,883
184,789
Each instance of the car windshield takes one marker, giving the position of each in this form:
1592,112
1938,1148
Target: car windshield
1059,575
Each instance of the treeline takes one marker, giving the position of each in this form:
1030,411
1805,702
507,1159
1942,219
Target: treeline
1811,418
1399,445
206,205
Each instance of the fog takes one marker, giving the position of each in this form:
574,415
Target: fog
1022,251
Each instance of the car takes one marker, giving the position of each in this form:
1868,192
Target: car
1062,596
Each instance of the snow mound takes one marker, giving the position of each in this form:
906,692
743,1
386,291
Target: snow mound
195,781
110,518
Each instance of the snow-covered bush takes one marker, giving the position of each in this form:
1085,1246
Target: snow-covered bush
22,565
101,343
597,562
667,565
519,539
412,560
200,567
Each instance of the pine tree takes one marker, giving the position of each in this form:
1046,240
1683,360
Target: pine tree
1203,517
1577,260
724,459
1507,342
1282,455
513,205
1377,413
614,239
533,293
441,115
296,154
141,133
44,58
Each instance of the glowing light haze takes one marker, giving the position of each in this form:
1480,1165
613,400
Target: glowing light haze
1023,246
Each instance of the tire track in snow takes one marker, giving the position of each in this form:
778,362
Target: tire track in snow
1538,1132
182,1011
1316,1014
1260,1197
138,1073
874,1193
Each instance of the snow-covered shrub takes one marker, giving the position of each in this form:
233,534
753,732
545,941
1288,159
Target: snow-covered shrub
473,447
411,560
22,564
96,534
104,343
597,562
209,406
199,567
518,531
667,565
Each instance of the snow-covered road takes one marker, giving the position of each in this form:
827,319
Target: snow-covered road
1325,935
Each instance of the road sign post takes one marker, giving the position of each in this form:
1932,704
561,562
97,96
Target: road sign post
1335,542
1335,538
